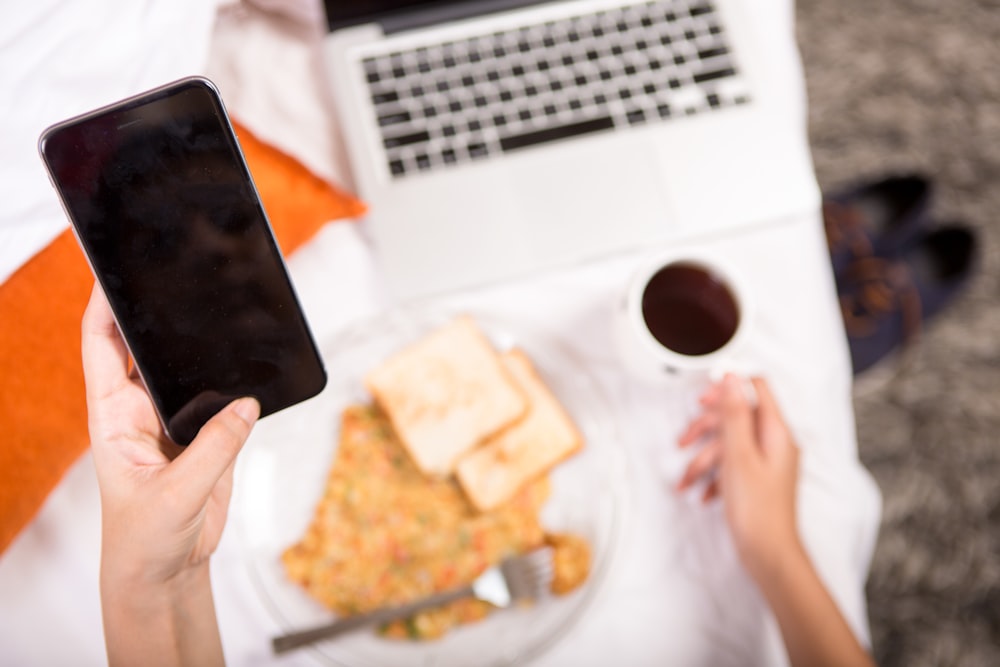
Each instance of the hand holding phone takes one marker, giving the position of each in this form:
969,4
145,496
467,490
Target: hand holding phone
164,207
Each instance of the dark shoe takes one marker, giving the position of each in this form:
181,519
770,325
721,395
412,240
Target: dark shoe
886,300
876,218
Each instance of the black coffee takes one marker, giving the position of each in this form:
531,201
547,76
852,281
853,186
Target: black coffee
689,310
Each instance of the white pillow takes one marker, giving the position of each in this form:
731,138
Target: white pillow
60,58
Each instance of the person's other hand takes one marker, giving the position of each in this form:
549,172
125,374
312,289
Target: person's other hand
751,459
163,507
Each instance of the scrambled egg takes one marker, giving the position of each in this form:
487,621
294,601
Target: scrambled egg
383,534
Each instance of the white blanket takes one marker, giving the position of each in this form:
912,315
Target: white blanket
676,593
59,59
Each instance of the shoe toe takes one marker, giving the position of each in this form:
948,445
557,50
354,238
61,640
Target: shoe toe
886,301
942,262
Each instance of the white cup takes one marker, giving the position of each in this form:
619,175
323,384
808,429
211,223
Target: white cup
684,316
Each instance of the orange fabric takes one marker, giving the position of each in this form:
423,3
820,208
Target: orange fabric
43,417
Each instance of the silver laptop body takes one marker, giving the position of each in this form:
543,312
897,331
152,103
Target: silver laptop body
493,139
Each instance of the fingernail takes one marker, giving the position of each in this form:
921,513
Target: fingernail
248,409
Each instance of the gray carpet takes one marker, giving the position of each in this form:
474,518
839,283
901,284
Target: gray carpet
902,85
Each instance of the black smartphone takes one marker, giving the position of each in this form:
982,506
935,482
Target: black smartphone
163,205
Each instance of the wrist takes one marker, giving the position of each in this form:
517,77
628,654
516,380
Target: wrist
771,565
128,583
160,622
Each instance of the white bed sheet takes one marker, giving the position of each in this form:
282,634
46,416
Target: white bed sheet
676,594
61,58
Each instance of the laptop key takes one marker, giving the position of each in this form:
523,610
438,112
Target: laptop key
384,97
705,54
478,150
515,142
394,118
406,139
712,75
636,116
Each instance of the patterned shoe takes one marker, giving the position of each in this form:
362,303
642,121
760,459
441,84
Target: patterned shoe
876,218
886,301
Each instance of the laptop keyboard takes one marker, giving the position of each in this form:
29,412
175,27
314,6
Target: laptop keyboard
506,91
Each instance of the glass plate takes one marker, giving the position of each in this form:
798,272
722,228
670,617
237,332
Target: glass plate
284,467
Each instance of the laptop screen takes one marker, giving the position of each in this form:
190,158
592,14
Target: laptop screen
395,15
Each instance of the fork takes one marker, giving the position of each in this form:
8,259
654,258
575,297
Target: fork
524,577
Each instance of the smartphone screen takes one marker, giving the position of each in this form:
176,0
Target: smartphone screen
164,207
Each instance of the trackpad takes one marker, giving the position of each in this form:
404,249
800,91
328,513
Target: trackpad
589,202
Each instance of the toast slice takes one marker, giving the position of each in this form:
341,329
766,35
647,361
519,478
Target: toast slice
445,393
491,474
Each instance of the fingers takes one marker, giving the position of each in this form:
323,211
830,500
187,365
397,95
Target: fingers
708,421
710,397
105,357
703,425
765,399
214,450
703,463
737,428
772,431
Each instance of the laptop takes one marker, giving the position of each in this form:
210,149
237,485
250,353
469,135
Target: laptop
496,138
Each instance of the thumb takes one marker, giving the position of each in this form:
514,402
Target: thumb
772,431
737,429
218,442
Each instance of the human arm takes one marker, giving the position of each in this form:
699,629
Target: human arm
757,462
163,508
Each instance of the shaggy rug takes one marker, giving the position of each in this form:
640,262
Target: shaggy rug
903,86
